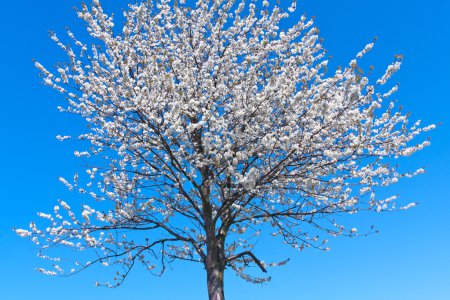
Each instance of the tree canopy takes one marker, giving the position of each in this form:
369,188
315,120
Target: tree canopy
210,125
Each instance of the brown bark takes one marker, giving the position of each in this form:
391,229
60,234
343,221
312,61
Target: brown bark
215,283
215,271
215,266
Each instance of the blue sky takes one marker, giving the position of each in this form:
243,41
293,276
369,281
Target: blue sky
409,259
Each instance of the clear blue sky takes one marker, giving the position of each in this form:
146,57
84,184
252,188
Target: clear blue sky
409,259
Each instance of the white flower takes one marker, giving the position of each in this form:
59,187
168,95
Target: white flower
410,205
22,232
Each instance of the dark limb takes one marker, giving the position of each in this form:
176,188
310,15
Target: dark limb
251,255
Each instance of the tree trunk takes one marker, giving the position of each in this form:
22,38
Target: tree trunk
215,268
215,282
215,254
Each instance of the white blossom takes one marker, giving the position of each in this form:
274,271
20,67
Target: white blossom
410,205
22,232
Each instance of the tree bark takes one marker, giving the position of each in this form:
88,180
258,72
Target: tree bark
215,282
215,256
215,269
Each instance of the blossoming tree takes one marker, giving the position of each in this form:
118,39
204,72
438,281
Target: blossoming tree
209,126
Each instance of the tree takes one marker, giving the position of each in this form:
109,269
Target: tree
209,125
